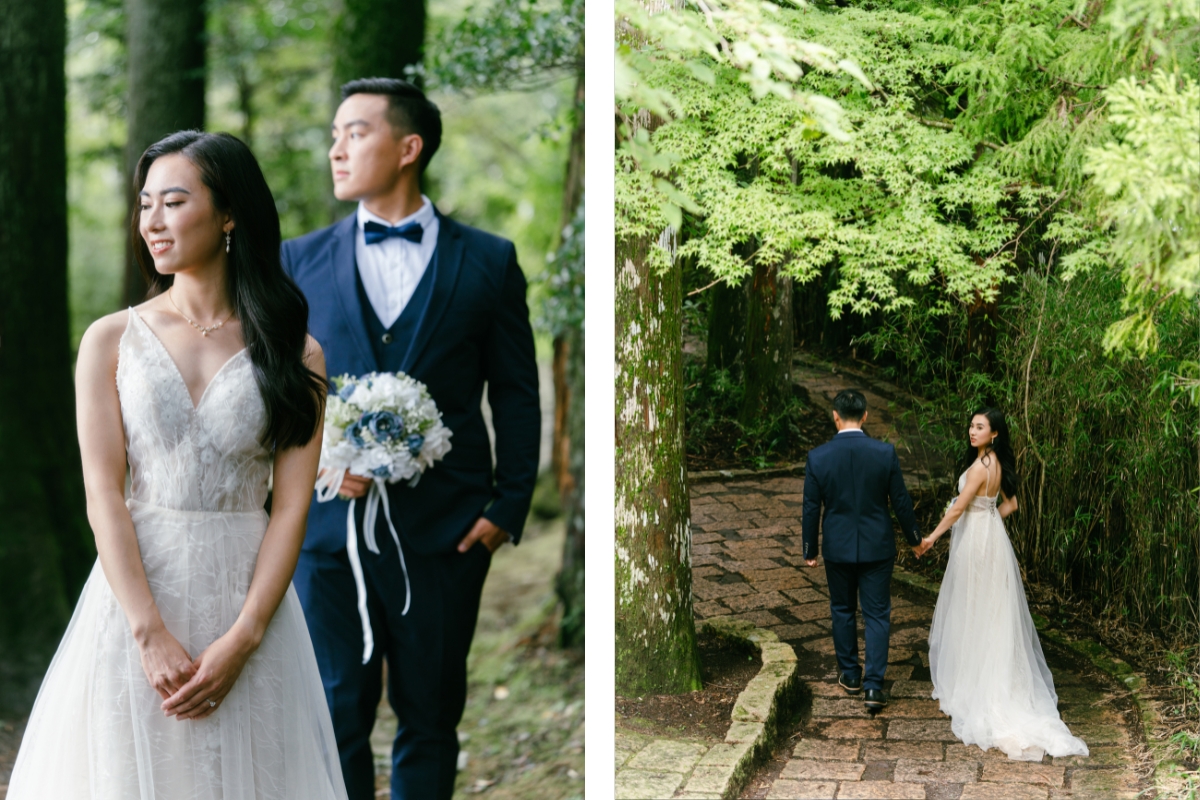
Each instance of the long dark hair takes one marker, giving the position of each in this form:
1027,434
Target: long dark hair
271,308
1002,447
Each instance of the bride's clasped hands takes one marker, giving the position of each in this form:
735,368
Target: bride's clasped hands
213,675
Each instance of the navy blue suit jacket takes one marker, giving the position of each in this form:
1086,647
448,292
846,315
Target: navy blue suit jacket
854,476
475,330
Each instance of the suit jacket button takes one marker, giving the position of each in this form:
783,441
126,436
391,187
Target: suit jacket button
387,338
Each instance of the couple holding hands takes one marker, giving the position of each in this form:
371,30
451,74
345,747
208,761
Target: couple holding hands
985,660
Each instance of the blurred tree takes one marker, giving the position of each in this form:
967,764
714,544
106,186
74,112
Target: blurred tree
377,39
166,51
519,45
45,549
269,75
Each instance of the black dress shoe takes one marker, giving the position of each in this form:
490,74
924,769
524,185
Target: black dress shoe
851,683
874,699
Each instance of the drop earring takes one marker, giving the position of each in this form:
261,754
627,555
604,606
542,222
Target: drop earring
228,239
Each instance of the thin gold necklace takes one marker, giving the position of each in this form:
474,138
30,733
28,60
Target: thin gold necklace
203,330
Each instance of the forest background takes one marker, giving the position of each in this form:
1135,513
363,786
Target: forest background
106,78
996,203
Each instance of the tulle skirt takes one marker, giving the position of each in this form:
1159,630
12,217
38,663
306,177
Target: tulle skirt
97,730
988,670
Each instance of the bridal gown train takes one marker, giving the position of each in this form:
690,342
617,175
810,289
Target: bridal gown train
987,666
199,479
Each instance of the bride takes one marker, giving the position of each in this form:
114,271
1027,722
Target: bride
187,672
986,662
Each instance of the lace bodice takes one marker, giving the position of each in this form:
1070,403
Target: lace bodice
978,503
202,458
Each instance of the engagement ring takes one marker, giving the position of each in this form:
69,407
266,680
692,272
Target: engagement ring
212,703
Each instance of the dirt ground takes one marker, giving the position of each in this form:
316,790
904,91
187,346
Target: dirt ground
522,735
725,669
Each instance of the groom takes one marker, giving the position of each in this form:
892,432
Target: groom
397,286
853,477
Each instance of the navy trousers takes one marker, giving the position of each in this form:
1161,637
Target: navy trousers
871,583
426,652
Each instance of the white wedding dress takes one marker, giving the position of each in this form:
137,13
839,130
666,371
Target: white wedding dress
199,483
987,666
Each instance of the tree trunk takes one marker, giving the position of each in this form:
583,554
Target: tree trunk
655,630
769,337
568,412
570,582
44,539
378,39
572,194
166,90
726,326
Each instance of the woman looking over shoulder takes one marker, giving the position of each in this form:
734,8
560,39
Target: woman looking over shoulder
187,670
986,662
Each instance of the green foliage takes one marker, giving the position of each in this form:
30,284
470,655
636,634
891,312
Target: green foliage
714,399
1151,178
269,84
509,45
760,56
900,205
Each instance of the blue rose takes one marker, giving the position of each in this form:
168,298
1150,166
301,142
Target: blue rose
415,442
382,472
354,434
385,425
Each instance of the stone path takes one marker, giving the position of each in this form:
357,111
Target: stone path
747,565
655,767
668,768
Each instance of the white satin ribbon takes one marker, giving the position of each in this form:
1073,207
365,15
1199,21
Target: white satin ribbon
327,487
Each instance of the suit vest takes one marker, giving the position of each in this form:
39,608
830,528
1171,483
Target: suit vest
391,346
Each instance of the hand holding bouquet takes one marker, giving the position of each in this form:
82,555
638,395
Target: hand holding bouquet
382,426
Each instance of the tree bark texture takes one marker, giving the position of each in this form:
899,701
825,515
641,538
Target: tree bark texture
726,326
45,543
166,89
378,39
568,411
572,195
655,629
570,581
769,339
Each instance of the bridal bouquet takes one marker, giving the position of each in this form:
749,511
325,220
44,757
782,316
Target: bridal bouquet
382,426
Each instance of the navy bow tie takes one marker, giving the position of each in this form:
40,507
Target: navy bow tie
375,232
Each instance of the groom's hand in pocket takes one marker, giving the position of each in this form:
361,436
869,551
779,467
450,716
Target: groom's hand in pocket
484,531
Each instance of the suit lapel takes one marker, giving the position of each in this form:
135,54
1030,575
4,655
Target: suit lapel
448,257
345,281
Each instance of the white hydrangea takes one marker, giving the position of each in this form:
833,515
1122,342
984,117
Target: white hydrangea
349,443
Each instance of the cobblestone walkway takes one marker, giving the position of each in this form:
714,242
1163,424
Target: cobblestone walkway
747,564
663,768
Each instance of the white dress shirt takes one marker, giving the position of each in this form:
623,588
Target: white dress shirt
391,269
